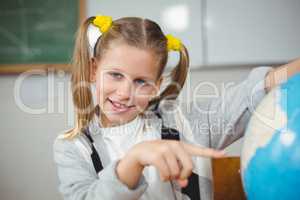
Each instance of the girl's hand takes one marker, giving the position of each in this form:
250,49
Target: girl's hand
280,74
173,159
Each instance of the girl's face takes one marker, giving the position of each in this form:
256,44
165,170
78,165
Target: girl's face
126,80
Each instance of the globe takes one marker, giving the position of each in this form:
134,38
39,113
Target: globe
270,159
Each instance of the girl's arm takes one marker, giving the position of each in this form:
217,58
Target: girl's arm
123,179
281,74
219,121
79,181
233,111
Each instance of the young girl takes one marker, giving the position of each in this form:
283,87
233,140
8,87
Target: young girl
134,141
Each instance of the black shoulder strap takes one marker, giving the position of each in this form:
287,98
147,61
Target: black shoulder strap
169,134
192,190
95,156
166,132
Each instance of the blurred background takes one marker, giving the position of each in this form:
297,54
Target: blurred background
226,39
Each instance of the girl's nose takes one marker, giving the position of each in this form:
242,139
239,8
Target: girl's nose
124,90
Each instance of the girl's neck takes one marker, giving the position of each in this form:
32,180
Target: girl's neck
106,123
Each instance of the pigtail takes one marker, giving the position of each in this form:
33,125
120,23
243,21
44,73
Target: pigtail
178,76
80,81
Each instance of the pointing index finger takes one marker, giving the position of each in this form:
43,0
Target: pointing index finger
202,151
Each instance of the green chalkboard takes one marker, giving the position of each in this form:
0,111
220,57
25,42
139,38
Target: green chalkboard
37,32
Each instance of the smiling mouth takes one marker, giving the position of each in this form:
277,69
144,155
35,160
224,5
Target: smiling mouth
119,107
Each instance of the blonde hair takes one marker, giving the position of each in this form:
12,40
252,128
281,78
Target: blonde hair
137,32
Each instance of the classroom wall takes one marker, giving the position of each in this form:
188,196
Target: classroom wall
231,32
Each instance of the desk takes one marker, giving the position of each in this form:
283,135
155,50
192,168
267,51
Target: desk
227,179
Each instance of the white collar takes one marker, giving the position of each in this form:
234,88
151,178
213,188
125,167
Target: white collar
148,119
95,127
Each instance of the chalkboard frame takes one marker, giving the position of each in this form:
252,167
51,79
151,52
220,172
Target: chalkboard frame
19,68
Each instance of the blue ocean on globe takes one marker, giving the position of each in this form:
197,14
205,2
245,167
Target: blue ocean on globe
270,160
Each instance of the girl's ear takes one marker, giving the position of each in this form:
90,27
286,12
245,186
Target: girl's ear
93,69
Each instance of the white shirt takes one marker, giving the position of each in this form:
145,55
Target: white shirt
120,139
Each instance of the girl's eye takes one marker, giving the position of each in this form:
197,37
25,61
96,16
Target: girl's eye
116,75
140,82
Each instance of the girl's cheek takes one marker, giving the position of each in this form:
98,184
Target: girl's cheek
142,101
103,90
106,84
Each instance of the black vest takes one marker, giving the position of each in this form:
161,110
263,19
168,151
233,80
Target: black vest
191,190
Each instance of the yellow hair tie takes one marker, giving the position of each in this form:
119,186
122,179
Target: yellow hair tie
173,43
103,23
